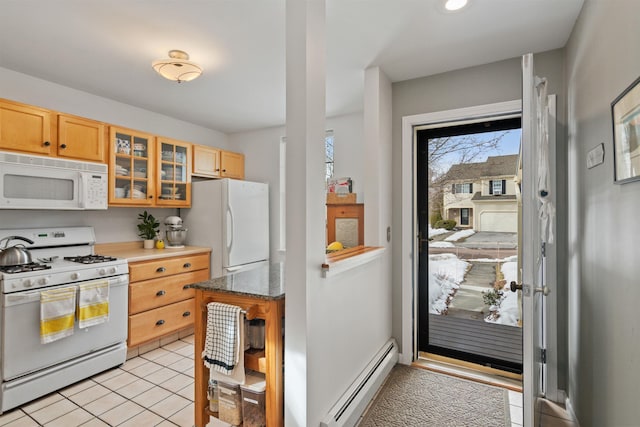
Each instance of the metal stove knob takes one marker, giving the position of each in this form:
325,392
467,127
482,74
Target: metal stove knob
113,270
43,280
75,276
102,272
27,283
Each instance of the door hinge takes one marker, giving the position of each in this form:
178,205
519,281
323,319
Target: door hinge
544,249
543,355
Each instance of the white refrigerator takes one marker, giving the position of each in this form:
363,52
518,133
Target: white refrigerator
232,217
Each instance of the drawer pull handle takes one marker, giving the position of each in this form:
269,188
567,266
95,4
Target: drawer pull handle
186,286
160,270
160,322
187,265
186,314
160,293
46,143
63,146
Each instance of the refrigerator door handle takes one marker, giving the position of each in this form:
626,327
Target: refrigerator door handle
229,228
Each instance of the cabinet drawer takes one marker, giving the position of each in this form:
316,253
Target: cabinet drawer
160,321
146,270
155,293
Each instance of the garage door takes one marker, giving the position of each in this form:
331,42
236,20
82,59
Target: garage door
499,221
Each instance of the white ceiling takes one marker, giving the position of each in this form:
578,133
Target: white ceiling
106,48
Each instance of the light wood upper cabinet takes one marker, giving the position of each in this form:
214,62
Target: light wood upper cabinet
206,161
81,139
26,128
173,177
35,130
231,165
131,167
215,163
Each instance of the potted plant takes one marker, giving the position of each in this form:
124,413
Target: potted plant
148,228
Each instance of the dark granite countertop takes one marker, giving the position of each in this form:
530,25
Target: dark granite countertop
264,282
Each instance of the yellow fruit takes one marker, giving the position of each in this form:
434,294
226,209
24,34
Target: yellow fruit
160,244
335,246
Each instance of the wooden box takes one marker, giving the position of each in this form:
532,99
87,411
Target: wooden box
341,198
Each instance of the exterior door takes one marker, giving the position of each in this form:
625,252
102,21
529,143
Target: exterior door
464,216
534,266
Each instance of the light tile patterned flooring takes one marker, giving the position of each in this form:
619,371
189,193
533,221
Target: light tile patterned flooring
156,389
153,389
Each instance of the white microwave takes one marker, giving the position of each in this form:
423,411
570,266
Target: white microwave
38,182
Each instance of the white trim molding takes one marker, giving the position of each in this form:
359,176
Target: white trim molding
409,221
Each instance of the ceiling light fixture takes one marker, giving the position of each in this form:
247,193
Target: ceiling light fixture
177,67
453,5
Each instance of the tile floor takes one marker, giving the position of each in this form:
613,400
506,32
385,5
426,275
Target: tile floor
156,389
153,389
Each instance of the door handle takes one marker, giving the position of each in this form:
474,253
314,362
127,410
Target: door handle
545,290
518,287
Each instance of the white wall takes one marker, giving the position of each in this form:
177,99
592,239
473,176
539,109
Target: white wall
114,224
604,338
261,150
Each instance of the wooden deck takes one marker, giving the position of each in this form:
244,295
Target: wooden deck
477,337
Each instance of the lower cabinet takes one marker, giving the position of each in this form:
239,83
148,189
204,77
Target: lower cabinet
160,301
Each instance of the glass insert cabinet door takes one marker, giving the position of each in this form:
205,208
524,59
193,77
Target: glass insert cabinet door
131,167
174,172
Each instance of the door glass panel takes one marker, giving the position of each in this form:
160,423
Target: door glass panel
465,308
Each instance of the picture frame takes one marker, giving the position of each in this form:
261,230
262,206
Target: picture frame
625,114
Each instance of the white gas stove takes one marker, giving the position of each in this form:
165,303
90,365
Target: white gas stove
63,257
60,256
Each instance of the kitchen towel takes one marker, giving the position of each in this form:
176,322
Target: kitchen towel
93,303
57,313
223,347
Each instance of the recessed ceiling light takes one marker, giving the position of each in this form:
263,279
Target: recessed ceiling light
453,5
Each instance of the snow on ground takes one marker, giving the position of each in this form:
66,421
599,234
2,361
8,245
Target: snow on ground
446,271
509,310
459,235
441,245
507,259
436,231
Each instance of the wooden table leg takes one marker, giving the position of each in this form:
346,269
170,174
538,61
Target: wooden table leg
201,372
273,353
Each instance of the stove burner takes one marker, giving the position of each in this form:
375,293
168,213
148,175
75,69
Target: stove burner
33,266
90,259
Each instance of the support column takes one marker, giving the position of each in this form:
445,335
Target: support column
305,43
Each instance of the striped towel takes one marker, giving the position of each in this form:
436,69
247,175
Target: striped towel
222,338
93,303
57,313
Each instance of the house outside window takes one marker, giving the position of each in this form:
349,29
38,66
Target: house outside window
466,188
498,187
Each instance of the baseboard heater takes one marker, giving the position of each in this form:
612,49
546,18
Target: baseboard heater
348,409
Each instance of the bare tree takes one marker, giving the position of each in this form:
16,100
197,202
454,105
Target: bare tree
462,149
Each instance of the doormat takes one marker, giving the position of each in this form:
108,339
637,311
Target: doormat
417,397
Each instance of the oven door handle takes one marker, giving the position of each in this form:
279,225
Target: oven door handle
25,297
19,298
